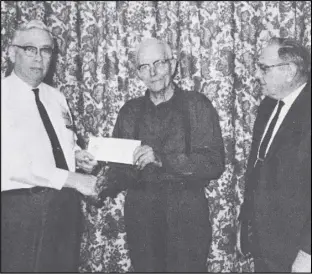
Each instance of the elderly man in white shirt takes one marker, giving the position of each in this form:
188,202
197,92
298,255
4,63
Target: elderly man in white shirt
40,191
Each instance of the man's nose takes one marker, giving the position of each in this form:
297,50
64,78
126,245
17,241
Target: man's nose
38,55
258,73
152,70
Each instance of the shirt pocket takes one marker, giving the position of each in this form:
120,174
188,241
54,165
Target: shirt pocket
69,137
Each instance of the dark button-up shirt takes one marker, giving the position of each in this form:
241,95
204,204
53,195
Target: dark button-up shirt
163,128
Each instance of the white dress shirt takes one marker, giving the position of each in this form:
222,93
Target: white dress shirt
288,101
27,159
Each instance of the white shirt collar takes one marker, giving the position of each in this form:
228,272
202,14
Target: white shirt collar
290,98
21,83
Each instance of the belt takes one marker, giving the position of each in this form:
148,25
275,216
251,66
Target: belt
25,191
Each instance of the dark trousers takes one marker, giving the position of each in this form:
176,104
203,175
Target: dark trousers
40,232
168,229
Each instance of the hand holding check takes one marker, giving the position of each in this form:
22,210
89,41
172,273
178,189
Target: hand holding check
124,151
85,160
113,150
144,155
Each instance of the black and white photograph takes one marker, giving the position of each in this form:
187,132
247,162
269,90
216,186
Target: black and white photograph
155,136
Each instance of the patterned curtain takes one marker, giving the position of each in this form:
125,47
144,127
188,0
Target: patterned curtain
217,45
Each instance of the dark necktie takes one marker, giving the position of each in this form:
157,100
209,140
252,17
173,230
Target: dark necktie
58,154
268,135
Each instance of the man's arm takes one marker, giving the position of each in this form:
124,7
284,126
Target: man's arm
53,178
302,263
206,160
18,168
207,157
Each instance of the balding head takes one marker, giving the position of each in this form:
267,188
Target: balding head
33,24
148,44
155,65
290,50
31,52
283,66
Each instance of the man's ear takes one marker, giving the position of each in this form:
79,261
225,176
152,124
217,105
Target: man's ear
12,52
173,65
292,72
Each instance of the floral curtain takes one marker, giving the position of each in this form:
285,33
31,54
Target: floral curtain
217,44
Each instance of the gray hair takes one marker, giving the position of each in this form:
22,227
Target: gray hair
33,24
291,50
148,41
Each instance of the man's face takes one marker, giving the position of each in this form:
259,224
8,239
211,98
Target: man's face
32,69
272,73
155,70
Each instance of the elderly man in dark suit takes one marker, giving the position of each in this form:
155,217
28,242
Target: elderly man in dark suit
277,201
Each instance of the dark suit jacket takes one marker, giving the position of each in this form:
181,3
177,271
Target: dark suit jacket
280,193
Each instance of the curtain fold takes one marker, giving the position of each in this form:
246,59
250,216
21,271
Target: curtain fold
217,44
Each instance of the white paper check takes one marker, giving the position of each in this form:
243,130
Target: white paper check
113,149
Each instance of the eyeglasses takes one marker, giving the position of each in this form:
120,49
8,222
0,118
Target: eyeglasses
32,51
158,65
265,68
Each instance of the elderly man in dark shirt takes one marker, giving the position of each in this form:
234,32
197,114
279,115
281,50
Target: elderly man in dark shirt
166,212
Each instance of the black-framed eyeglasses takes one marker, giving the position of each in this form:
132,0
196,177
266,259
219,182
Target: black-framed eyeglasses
264,68
32,51
158,65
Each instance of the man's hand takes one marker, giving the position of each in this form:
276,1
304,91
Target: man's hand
144,155
302,262
85,184
85,160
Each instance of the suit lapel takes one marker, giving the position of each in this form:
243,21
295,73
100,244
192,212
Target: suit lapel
292,121
265,110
